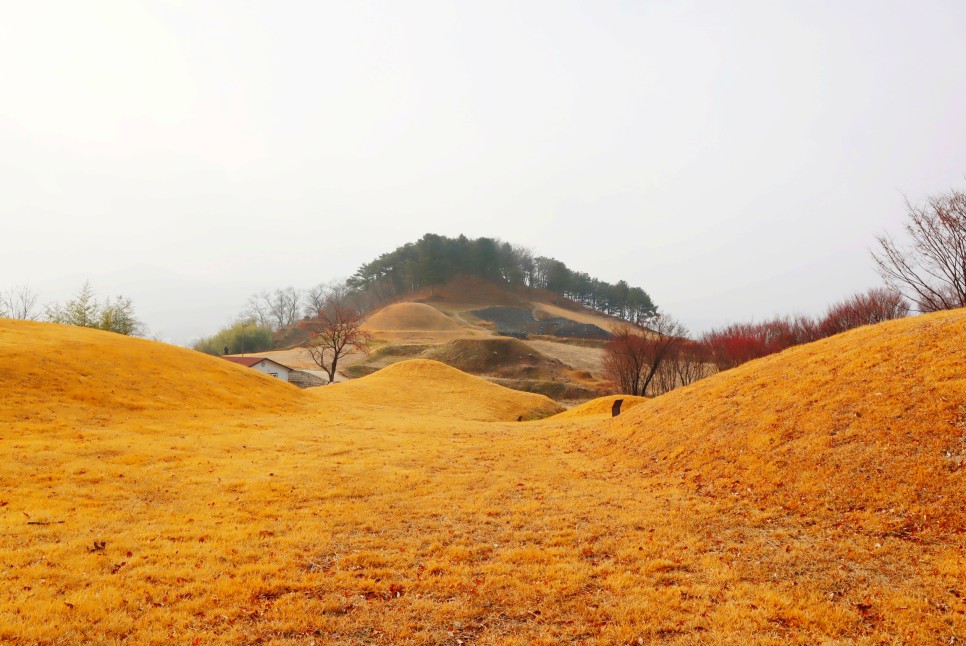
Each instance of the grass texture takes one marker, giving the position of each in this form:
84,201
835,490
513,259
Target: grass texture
155,495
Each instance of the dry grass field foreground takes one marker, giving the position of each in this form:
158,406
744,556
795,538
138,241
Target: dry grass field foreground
155,495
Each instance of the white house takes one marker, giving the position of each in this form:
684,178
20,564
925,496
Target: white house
263,364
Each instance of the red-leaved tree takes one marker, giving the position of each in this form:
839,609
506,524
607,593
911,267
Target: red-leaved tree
336,331
874,306
738,343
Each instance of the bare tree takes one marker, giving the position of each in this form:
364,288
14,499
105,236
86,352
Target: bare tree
931,269
635,357
276,309
693,363
316,298
624,359
19,302
334,333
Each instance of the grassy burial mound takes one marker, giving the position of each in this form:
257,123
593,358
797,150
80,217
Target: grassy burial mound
866,428
786,501
601,407
505,361
827,483
50,368
499,357
410,317
425,387
408,323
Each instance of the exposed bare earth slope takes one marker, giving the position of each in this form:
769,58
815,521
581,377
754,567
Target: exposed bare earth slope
153,495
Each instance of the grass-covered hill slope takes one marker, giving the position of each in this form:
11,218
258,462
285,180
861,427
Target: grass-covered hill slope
787,501
425,387
866,428
47,367
410,316
462,324
602,407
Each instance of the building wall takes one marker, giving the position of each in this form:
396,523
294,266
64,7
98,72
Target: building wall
304,379
273,369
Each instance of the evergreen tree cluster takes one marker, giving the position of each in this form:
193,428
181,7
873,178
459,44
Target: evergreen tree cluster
434,260
84,310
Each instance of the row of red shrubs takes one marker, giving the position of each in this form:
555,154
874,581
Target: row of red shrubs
735,344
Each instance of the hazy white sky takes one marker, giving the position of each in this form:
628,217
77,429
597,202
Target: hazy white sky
735,159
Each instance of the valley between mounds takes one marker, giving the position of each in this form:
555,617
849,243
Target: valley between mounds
151,494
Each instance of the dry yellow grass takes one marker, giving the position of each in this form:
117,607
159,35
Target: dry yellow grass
601,407
416,323
434,389
49,368
410,316
203,503
870,424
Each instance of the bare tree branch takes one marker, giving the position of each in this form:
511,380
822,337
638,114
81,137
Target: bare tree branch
931,269
636,357
277,309
334,333
19,302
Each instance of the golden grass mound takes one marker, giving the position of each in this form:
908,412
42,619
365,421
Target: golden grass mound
426,387
601,407
47,367
867,428
411,317
814,497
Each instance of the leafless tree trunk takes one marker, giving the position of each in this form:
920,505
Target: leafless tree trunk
277,309
665,336
19,303
315,299
333,334
624,359
931,269
694,363
635,358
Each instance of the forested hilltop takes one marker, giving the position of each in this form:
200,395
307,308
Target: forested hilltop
435,260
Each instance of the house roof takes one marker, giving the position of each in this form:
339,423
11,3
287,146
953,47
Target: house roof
251,361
